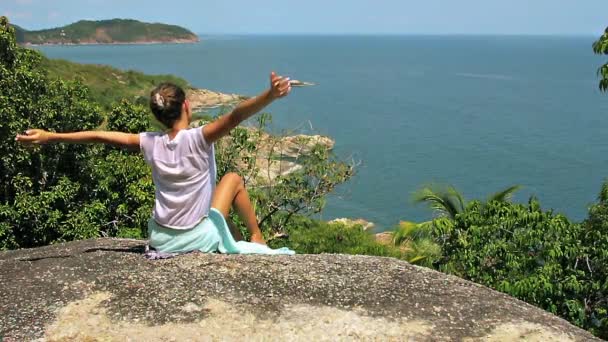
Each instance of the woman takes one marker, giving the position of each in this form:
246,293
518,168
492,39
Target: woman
189,210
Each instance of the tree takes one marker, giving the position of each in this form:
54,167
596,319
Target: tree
594,236
449,202
534,255
39,186
418,243
600,47
446,201
281,181
63,192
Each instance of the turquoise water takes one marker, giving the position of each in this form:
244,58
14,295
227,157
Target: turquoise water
481,113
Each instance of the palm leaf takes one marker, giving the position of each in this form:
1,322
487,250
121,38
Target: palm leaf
505,195
446,202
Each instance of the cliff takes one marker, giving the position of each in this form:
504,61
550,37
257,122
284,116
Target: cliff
105,290
115,31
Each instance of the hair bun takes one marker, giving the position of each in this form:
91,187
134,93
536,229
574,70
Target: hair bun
160,101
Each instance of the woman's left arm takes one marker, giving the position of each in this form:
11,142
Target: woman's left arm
39,136
279,87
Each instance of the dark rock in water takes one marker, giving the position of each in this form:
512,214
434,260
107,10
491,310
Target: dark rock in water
104,289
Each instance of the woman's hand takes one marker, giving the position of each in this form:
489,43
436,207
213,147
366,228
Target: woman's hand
34,136
279,86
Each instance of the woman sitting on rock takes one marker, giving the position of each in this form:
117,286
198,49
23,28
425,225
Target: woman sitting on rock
189,210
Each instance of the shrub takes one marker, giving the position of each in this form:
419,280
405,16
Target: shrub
534,255
261,158
61,192
314,237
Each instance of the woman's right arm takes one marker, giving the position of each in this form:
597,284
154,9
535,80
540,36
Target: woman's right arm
39,136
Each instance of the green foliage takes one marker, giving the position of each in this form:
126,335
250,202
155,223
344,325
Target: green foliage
417,242
600,47
108,85
262,161
315,237
504,195
62,192
445,202
106,31
448,201
303,190
534,255
594,236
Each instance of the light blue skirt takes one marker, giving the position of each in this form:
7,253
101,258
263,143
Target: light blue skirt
210,235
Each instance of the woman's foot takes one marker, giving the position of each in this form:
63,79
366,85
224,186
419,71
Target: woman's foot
258,239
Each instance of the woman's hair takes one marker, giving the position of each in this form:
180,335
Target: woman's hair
166,103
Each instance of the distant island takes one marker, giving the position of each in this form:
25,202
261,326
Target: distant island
115,31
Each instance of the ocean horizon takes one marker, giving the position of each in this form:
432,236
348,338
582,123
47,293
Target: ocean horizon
481,112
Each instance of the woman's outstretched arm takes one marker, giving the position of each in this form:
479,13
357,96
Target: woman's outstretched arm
39,136
279,87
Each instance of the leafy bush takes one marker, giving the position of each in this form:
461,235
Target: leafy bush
534,255
315,237
108,85
62,192
416,240
279,183
600,47
594,236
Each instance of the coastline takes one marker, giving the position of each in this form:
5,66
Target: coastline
202,99
150,42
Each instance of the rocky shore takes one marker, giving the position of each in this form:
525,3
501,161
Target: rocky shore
202,99
96,42
278,155
354,222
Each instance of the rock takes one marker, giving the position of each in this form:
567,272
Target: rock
354,222
385,238
276,155
294,146
201,99
284,152
104,289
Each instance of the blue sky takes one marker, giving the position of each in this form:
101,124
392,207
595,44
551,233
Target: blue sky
571,17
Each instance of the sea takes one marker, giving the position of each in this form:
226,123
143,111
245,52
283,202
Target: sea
478,112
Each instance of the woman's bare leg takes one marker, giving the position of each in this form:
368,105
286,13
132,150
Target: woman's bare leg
231,192
236,233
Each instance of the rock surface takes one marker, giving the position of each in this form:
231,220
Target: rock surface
385,238
354,222
105,290
274,155
279,155
201,99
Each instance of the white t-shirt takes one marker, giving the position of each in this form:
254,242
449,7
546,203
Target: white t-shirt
183,171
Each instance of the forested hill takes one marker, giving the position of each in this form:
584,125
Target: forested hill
115,31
